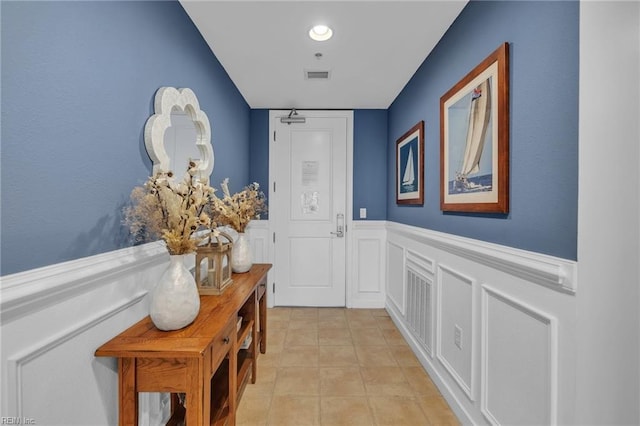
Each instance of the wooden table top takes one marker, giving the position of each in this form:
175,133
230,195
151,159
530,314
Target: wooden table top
144,339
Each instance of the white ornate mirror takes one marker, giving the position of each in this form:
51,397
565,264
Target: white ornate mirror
177,132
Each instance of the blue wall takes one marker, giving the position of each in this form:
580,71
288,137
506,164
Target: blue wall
370,172
78,81
543,38
259,153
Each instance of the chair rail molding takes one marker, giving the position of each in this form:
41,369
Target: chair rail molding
24,292
553,272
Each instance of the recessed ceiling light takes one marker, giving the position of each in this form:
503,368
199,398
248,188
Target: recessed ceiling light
320,33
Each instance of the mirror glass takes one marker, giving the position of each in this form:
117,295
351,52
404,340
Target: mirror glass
179,142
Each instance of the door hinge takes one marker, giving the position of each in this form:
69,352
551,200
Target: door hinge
274,288
274,135
274,186
274,238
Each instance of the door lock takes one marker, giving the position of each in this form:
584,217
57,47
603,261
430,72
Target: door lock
340,226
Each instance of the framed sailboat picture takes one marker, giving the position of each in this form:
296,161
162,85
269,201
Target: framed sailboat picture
474,139
410,166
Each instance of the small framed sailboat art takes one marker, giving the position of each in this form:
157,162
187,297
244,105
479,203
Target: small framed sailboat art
410,166
474,139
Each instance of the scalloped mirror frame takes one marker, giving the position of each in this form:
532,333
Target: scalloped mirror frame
184,99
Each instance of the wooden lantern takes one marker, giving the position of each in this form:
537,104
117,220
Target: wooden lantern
213,264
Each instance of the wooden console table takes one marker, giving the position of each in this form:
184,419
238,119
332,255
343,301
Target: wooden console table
203,360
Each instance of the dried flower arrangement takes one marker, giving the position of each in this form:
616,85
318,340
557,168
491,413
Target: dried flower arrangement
171,210
237,210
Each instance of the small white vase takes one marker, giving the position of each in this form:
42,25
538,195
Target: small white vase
175,301
241,258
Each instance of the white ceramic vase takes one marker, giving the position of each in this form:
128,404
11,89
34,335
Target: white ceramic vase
241,257
175,301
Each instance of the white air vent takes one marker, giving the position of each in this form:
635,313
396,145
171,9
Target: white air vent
316,75
419,314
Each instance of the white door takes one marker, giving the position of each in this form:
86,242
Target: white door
309,208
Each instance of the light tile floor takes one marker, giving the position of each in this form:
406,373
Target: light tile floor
333,366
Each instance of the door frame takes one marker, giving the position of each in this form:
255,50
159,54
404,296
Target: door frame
273,208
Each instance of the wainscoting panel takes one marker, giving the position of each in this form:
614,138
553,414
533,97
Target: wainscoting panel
395,276
502,324
367,285
261,242
368,280
258,232
456,343
523,341
55,317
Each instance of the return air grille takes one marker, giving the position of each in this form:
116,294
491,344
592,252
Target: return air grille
419,308
316,75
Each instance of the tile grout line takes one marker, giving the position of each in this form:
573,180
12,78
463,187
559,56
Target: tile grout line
351,319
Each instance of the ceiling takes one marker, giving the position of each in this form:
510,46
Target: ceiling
376,48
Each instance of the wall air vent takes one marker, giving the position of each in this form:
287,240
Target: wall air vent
316,75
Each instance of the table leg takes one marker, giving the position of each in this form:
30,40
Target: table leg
254,337
206,387
262,308
195,393
233,382
128,405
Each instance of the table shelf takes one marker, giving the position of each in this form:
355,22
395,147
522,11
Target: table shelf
245,363
245,329
220,395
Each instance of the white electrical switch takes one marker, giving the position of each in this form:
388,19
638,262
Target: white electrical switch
363,213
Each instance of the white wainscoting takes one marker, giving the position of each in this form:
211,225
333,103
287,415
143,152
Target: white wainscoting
396,284
492,325
456,346
530,390
261,242
503,321
54,318
367,266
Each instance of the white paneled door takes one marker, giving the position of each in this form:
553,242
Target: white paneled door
309,208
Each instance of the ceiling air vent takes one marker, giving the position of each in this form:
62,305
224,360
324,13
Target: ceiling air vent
316,75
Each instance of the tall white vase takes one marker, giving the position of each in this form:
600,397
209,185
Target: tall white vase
175,301
241,257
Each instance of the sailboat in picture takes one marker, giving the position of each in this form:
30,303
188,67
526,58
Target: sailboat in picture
410,166
478,122
409,176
